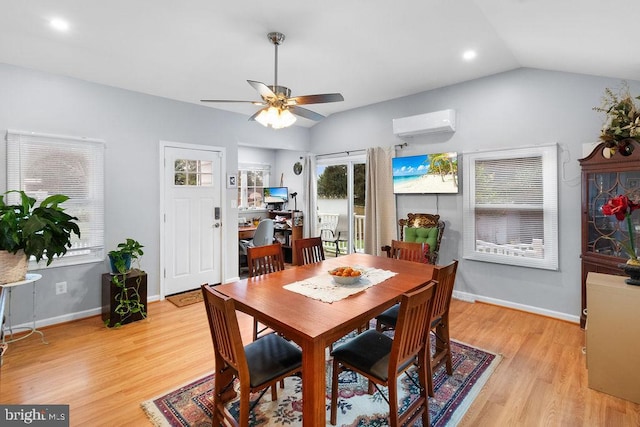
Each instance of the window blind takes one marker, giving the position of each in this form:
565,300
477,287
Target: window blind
43,165
511,207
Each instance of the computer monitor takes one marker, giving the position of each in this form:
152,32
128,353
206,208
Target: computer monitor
276,195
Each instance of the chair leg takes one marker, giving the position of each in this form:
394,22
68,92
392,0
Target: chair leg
444,334
334,392
429,369
393,402
243,416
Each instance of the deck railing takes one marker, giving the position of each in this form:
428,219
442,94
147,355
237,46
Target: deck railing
332,238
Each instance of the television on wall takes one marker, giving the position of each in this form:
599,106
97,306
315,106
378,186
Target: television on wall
426,173
274,195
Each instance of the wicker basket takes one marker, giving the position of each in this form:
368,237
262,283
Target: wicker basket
13,267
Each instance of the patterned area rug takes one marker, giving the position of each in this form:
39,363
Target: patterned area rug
191,404
186,298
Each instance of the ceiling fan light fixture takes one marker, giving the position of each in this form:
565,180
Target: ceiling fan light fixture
276,118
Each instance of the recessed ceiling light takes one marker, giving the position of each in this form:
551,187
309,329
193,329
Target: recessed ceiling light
469,55
59,24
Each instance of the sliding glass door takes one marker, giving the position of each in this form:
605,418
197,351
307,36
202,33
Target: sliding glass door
341,190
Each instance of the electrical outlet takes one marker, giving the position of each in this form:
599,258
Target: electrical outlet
61,288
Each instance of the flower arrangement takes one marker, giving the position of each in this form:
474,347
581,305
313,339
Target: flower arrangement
622,125
622,208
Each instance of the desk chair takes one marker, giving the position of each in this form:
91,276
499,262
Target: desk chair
258,366
264,260
308,250
445,276
262,236
382,359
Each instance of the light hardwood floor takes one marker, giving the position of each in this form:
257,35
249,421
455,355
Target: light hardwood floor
104,374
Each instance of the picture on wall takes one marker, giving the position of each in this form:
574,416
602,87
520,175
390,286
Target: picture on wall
427,173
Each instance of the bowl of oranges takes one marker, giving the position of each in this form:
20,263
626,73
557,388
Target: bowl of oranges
345,275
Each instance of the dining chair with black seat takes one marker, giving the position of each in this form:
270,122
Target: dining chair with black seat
309,250
264,260
257,366
439,324
382,359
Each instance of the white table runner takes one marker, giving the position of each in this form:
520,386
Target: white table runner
323,287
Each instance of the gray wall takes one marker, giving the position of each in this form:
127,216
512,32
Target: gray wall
132,124
516,108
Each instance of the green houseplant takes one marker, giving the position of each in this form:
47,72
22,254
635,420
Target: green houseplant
129,304
42,231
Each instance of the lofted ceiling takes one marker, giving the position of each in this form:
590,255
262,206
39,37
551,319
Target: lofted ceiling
370,51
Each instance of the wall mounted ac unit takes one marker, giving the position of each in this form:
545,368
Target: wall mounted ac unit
438,121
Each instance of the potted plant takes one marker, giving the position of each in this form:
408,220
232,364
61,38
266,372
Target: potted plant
27,230
622,126
120,259
128,286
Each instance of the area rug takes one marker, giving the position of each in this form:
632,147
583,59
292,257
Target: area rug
186,298
191,404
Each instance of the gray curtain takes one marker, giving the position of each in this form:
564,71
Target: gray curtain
310,184
380,202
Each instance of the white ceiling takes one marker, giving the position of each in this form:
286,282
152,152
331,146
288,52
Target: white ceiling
368,50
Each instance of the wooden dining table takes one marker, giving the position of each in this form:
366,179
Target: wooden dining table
314,324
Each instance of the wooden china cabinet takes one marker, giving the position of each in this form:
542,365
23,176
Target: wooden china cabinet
603,179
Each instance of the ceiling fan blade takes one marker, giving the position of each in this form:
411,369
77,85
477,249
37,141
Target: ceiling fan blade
307,114
315,99
262,89
230,100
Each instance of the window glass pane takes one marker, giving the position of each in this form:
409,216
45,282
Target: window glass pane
193,173
251,182
44,165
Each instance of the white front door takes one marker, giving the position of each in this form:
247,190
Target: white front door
192,226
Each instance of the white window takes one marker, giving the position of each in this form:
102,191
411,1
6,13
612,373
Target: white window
252,178
511,207
43,165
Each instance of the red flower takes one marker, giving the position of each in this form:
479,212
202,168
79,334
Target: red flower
620,206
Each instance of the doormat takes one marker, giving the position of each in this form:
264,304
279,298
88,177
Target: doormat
190,405
186,298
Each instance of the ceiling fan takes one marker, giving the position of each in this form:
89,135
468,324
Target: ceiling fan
279,106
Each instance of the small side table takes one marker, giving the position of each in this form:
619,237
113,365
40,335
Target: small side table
30,278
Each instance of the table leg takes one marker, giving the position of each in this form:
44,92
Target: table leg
313,384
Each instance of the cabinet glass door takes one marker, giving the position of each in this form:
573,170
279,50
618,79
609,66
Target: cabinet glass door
604,232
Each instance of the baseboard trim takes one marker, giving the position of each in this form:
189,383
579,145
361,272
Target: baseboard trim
468,297
69,317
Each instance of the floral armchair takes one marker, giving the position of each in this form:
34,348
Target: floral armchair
422,228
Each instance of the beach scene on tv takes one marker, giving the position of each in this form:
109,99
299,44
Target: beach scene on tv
427,173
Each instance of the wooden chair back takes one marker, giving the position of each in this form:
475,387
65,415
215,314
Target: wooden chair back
446,277
308,250
265,259
409,251
412,330
225,332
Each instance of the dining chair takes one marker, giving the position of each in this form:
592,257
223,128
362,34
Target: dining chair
382,359
439,324
309,250
264,260
409,251
257,366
